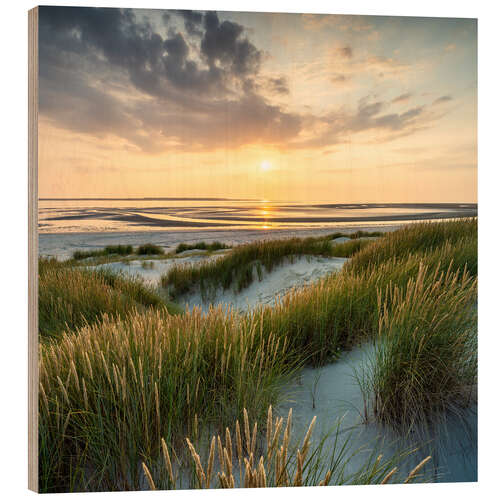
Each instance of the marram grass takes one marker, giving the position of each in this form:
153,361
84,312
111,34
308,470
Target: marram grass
244,263
119,250
246,458
201,245
108,393
426,353
112,389
70,297
421,238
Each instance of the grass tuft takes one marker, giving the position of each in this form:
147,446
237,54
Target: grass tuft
108,250
70,297
243,461
150,249
244,263
425,360
115,384
202,245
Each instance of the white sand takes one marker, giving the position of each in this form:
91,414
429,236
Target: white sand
332,393
62,245
303,271
332,388
341,239
152,275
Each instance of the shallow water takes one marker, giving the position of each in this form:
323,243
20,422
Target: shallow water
91,215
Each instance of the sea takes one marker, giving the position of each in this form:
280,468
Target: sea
177,214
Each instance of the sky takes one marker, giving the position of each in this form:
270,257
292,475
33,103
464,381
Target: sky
285,107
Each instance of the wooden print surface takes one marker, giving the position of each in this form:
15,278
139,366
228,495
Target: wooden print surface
253,249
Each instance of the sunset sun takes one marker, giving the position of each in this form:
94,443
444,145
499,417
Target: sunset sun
265,165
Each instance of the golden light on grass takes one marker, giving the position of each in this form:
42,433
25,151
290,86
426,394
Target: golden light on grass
159,371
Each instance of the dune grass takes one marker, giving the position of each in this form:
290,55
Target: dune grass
425,360
281,463
109,393
357,234
343,309
417,238
113,390
149,249
70,297
201,245
240,267
108,250
119,250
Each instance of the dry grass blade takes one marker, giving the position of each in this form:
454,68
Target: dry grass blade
415,471
389,475
307,438
199,469
168,463
148,476
210,463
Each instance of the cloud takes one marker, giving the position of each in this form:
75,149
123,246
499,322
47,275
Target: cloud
222,42
277,85
402,98
107,73
345,52
104,72
442,99
340,79
192,21
343,66
339,126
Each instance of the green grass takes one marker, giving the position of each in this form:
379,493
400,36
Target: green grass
343,309
202,245
310,462
417,238
149,249
109,393
425,360
108,250
357,234
119,250
69,297
243,263
111,390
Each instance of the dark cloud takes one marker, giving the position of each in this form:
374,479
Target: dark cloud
192,21
105,72
345,52
151,62
222,43
443,99
402,98
184,100
165,17
278,85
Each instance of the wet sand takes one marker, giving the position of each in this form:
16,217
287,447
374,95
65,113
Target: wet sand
62,245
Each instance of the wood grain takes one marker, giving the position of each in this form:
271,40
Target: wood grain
33,249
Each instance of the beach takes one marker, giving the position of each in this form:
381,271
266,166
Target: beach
334,391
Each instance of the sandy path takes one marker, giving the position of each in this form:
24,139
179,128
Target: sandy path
303,271
151,270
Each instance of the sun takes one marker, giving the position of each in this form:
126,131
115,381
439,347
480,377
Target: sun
265,165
